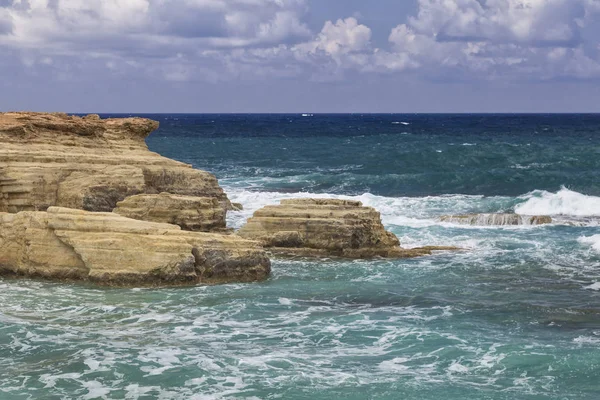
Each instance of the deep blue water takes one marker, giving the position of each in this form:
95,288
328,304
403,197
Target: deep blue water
353,154
516,316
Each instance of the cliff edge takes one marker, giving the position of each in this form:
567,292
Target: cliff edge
87,163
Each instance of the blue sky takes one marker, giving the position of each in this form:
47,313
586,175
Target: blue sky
300,55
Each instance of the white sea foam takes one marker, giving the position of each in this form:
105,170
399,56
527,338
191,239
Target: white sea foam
227,353
458,368
594,286
413,212
593,241
96,390
285,301
564,202
417,212
582,340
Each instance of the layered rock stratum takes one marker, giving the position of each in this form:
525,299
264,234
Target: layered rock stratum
87,163
497,219
326,227
60,178
203,214
109,249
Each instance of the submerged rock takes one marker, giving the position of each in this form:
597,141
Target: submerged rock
325,227
237,207
496,219
109,249
87,163
204,214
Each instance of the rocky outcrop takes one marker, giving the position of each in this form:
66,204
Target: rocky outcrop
496,219
109,249
87,163
325,227
203,214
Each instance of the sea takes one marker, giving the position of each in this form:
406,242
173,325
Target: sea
515,315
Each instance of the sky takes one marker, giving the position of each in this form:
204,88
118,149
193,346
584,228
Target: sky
270,56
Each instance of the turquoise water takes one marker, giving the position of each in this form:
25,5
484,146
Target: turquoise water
514,316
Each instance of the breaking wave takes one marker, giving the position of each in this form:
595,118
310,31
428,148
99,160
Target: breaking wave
563,202
593,241
572,208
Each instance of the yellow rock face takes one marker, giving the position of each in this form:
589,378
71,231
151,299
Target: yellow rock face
202,214
87,163
325,227
109,249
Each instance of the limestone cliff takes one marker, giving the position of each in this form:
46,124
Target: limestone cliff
325,227
87,163
202,214
109,249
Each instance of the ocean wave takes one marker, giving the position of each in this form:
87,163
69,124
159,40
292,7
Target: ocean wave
566,207
593,286
563,202
593,241
416,212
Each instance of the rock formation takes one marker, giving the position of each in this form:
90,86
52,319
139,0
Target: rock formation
203,214
61,176
325,227
109,249
496,219
90,164
87,163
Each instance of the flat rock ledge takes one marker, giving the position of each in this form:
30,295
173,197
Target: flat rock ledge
496,219
109,249
199,214
326,228
87,163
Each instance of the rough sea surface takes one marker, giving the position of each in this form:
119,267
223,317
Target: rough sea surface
515,316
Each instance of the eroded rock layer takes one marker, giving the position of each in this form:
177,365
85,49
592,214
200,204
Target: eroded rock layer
325,227
496,219
110,249
203,214
87,163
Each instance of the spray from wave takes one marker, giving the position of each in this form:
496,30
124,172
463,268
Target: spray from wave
566,206
399,211
564,202
593,241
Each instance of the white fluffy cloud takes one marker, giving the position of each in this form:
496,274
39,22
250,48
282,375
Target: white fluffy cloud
530,22
343,37
542,39
345,44
65,24
176,40
179,40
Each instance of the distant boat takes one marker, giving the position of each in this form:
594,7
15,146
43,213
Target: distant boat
308,115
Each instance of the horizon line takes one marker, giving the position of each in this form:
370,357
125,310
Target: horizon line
309,114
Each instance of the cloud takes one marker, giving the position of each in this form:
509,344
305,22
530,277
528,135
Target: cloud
343,45
537,23
73,24
343,37
176,40
223,40
6,23
499,39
